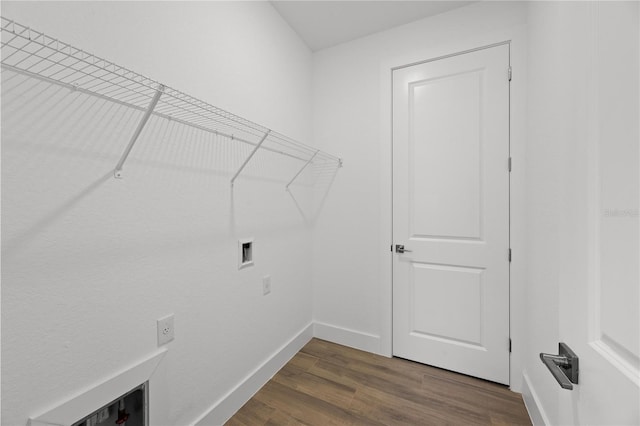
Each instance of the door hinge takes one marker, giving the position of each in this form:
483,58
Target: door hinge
509,255
510,72
509,345
509,164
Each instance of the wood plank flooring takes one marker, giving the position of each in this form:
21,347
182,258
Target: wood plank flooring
329,384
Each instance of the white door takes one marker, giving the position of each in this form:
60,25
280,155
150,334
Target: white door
451,210
599,280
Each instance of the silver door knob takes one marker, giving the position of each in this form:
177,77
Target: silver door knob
400,249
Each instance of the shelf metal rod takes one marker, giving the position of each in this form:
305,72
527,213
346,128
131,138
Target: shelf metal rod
249,157
37,55
155,113
302,169
156,97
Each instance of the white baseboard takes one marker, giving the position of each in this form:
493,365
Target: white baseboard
347,337
532,402
223,409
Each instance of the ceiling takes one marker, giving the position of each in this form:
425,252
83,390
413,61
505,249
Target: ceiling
323,24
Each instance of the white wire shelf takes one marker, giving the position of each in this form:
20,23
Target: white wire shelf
37,55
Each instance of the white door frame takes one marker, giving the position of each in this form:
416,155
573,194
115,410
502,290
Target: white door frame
517,38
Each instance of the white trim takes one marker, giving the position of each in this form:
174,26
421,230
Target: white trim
617,359
347,337
87,401
386,210
517,37
223,409
532,403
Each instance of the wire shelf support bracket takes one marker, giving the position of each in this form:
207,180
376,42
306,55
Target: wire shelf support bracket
301,170
264,138
143,121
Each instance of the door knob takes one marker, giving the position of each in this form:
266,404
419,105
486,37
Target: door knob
563,366
400,249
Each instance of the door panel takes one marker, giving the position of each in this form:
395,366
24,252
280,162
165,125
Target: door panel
599,279
617,291
450,152
448,292
451,210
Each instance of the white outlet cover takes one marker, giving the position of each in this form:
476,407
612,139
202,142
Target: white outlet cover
266,285
166,331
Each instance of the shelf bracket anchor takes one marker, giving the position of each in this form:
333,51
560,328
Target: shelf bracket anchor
249,157
156,97
302,169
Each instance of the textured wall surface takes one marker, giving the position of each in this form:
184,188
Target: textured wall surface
90,262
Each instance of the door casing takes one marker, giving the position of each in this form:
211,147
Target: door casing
516,37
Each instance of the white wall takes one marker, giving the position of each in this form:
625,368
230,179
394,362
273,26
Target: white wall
543,164
90,262
351,104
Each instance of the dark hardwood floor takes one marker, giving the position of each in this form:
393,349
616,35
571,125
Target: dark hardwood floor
329,384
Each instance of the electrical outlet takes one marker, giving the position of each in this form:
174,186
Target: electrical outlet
266,285
165,330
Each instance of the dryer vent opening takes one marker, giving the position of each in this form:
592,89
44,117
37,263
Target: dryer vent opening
130,409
